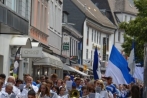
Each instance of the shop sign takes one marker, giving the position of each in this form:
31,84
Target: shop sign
66,42
31,52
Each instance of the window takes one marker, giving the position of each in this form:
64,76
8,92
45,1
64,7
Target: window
87,36
41,16
86,53
92,55
71,48
125,18
55,18
51,20
107,57
65,17
104,48
107,42
45,22
97,37
119,35
38,16
92,35
130,18
13,6
100,38
59,20
26,9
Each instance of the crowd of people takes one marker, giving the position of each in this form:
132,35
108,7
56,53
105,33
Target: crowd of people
69,87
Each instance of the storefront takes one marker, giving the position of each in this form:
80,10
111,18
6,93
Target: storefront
16,43
47,65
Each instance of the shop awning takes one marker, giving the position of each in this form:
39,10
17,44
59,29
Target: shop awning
83,74
23,41
49,59
67,68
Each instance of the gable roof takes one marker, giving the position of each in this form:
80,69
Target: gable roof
122,6
125,6
92,12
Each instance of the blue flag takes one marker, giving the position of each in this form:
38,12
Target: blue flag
95,64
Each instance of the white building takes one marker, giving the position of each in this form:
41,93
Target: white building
13,22
55,30
97,30
122,11
55,25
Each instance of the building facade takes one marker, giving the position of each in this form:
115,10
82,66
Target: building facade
14,26
117,11
94,27
55,25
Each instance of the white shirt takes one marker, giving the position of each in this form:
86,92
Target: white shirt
64,96
35,88
6,95
104,94
15,90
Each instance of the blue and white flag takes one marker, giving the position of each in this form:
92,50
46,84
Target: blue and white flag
131,62
139,73
117,68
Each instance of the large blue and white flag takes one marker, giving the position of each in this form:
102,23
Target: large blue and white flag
96,69
117,68
131,61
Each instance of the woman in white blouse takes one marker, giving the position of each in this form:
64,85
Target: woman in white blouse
103,93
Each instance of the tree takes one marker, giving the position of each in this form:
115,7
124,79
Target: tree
136,30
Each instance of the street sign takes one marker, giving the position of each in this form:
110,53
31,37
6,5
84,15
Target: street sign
31,52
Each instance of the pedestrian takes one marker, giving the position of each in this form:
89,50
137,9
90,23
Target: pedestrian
135,92
44,91
61,92
110,87
59,83
31,94
11,79
28,86
100,88
85,92
8,93
3,78
54,78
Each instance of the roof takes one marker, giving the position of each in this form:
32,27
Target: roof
125,6
92,12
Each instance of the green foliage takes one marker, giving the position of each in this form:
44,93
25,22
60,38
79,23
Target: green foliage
136,29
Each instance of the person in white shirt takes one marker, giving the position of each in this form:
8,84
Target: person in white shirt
100,88
28,86
11,79
8,93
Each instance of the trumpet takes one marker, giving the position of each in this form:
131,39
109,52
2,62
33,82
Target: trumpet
74,94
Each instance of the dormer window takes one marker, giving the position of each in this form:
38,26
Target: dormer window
65,17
